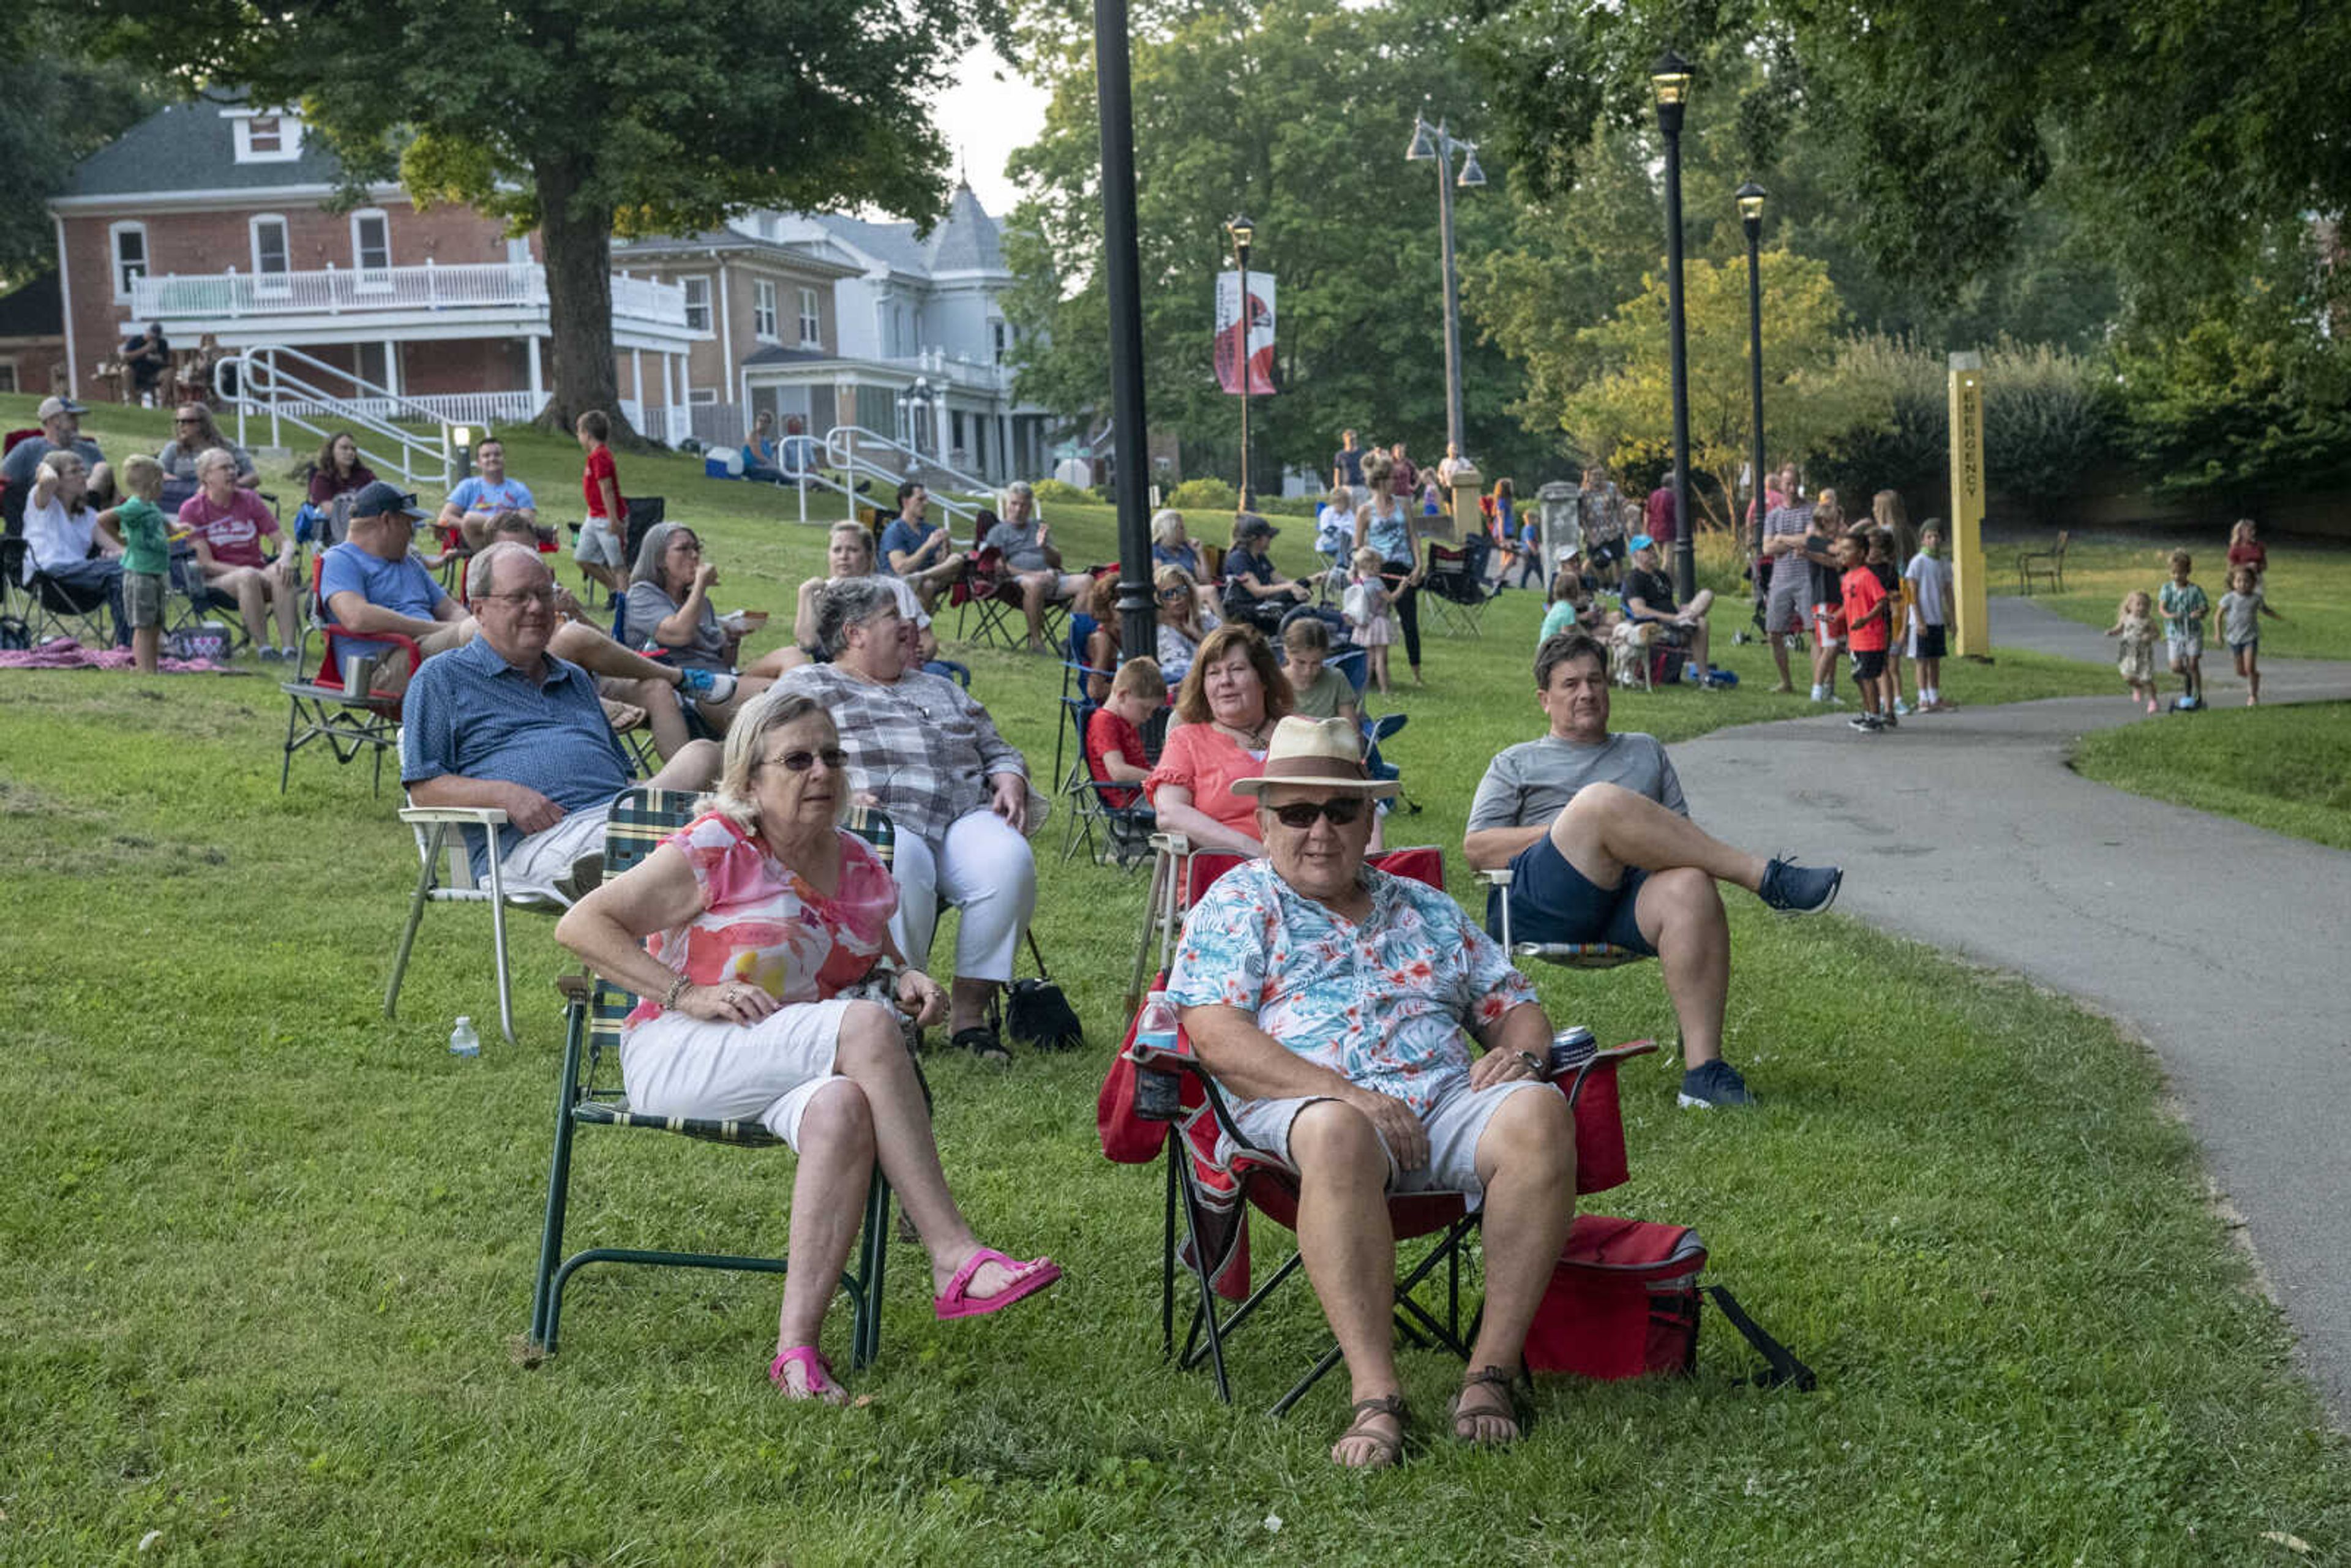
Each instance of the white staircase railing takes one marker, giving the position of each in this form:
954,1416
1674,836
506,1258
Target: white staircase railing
844,448
287,386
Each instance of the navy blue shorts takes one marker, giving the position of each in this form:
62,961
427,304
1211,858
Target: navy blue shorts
1551,901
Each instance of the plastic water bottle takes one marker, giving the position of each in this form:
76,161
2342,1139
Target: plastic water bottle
463,1040
1159,1093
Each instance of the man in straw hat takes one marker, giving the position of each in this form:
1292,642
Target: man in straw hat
1335,1005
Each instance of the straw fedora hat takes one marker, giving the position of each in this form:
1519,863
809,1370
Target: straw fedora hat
1315,751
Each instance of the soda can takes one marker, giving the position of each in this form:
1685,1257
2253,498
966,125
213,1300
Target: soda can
1571,1048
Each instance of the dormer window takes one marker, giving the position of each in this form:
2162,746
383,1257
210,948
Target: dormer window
266,136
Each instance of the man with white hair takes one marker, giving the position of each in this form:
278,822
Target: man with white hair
502,721
1025,540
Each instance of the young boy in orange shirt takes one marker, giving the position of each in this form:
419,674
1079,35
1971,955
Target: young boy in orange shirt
1868,632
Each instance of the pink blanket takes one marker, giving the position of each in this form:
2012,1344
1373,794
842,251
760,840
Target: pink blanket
65,653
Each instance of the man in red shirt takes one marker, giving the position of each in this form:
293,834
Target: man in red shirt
1868,632
1662,518
598,550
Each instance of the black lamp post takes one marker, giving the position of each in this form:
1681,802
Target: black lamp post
1671,77
1123,286
1243,231
1750,218
1436,143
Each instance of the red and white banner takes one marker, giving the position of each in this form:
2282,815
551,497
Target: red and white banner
1261,332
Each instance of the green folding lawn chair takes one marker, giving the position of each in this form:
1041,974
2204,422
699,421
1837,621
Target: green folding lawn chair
641,819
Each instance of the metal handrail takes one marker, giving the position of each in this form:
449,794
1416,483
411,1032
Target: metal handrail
855,434
845,456
262,383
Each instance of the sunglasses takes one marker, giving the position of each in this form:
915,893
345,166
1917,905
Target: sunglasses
1339,811
835,759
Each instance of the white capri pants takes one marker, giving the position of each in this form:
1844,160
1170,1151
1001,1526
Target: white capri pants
986,870
677,1065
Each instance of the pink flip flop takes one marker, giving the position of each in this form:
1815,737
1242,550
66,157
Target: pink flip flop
1027,1279
814,1367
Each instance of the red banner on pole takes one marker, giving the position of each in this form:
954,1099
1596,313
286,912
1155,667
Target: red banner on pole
1259,332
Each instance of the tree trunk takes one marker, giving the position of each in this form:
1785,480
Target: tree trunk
578,245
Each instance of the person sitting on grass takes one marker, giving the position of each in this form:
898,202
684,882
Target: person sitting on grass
918,549
1571,603
1649,596
501,720
1600,846
373,583
1316,688
849,553
669,608
1335,1006
742,933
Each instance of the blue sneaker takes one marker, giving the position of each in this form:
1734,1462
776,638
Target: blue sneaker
1712,1083
707,685
1794,889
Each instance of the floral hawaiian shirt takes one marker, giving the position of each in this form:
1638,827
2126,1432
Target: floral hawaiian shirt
1383,1004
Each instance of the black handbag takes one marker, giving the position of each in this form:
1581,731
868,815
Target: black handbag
1038,1013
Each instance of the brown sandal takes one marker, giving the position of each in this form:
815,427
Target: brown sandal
1511,1410
1388,1449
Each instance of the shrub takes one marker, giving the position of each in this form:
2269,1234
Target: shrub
1204,496
1050,492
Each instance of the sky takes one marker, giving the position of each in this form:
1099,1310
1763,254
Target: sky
985,118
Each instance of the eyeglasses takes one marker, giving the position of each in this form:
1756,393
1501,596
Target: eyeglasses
528,596
185,419
834,759
1339,811
1169,595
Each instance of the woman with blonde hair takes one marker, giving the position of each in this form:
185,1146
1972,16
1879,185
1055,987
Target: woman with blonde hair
1176,603
745,933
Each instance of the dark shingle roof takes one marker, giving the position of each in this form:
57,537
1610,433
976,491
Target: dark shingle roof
35,310
966,239
190,147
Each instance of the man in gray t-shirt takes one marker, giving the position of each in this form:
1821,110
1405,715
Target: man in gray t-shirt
1026,541
1600,848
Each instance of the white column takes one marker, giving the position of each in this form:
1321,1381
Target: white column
1004,457
939,424
538,376
392,367
669,395
637,381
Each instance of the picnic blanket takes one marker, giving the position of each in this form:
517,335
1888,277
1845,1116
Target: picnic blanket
65,653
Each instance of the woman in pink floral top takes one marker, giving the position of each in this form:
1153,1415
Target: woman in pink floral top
757,919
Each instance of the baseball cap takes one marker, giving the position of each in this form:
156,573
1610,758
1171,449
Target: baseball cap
1641,542
52,407
1571,552
1248,525
381,498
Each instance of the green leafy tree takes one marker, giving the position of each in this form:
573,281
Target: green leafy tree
1296,113
2241,404
57,108
1607,386
581,117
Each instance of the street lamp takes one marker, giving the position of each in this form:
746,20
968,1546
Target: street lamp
1123,291
1243,231
1750,218
1671,77
1435,142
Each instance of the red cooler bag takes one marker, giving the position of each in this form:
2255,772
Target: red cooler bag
1623,1300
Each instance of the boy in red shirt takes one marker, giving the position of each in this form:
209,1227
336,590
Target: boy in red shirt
1114,753
598,550
1868,632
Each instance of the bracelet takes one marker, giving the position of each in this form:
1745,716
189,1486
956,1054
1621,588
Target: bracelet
676,989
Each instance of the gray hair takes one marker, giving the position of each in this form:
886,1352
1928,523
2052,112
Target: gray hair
647,565
746,745
851,602
484,568
1024,491
1164,525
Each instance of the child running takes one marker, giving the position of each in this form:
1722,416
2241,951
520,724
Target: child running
1366,608
1929,579
2242,609
1864,611
2134,625
2184,607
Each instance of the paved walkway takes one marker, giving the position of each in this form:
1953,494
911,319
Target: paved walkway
1968,830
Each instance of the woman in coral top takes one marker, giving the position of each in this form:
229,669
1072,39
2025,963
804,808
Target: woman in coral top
757,921
1230,700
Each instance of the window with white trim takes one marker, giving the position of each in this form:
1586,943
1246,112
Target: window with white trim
811,322
763,309
1001,337
701,397
129,244
697,303
265,136
273,254
371,249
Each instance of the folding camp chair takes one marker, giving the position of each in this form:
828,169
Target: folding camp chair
321,707
1214,1189
983,610
1457,585
48,608
593,1014
1567,954
445,875
1125,829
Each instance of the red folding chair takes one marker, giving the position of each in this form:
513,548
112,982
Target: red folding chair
321,707
1215,1194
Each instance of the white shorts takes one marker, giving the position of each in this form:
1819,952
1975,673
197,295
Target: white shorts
599,543
542,859
675,1065
1455,1124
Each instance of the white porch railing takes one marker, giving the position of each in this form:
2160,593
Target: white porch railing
494,408
285,386
670,425
498,285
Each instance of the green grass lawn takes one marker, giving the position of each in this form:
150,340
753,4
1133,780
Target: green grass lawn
270,1248
2285,768
2309,583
